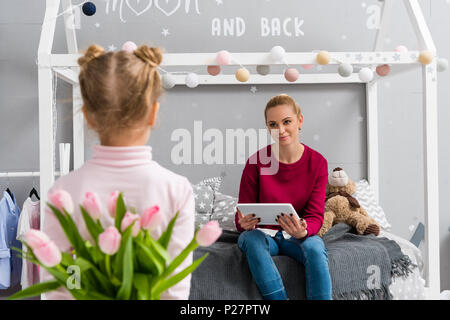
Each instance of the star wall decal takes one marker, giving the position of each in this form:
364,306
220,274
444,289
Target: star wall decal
165,32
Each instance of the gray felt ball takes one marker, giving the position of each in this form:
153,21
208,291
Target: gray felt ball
345,70
441,64
168,81
263,69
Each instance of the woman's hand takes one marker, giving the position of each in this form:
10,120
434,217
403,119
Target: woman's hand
293,226
249,221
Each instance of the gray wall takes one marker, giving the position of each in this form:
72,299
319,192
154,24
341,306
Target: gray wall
334,114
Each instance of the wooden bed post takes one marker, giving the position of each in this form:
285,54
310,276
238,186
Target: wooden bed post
72,47
430,144
45,87
431,183
372,137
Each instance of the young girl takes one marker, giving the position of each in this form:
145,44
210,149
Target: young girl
300,179
120,93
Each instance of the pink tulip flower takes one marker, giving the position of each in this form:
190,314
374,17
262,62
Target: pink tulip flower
91,204
127,220
151,218
109,240
48,254
209,234
61,199
112,203
36,239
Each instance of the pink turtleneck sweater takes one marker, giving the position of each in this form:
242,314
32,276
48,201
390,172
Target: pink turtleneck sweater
144,183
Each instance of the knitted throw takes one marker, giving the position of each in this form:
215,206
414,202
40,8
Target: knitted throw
362,266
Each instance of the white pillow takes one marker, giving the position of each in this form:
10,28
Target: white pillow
366,198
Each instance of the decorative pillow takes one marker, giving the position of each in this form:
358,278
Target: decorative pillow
201,219
224,211
214,183
204,198
366,198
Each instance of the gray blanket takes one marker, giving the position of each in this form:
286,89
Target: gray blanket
361,267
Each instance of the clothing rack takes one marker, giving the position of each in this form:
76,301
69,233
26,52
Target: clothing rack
65,67
64,164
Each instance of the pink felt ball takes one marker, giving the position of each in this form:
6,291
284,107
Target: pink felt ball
223,58
401,49
214,70
129,46
383,70
291,74
307,66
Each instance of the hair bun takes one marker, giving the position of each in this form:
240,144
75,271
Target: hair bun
152,56
94,51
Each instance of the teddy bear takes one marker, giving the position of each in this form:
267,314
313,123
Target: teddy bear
341,207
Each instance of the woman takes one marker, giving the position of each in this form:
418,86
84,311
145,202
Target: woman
300,179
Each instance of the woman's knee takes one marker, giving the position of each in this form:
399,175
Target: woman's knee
314,249
251,239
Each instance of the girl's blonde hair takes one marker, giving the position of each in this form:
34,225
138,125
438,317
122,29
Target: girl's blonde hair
119,88
282,99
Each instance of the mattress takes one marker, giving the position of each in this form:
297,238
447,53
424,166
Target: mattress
413,286
225,274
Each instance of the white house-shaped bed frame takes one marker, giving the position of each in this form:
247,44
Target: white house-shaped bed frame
65,67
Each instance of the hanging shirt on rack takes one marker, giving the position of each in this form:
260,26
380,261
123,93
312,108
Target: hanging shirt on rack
10,262
29,219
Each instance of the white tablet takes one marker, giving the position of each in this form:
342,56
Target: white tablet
267,211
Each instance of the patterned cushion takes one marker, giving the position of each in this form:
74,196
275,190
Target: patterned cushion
224,211
214,183
201,219
366,198
204,198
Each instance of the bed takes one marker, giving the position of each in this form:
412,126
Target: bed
225,275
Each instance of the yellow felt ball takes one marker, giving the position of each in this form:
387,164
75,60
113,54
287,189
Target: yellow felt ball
425,57
242,75
323,58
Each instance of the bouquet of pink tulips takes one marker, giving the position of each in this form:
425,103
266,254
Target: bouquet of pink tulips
124,262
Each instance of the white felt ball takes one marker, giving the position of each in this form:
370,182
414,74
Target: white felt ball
441,64
263,69
192,80
345,70
366,75
278,53
168,81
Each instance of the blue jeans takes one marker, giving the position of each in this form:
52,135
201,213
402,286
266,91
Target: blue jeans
259,248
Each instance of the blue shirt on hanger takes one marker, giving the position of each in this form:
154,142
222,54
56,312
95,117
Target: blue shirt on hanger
10,262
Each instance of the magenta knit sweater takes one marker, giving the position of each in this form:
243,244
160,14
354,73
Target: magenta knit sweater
302,183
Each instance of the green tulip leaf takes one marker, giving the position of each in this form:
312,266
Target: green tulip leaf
36,290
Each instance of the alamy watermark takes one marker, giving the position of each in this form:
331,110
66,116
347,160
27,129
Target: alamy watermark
374,279
232,146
